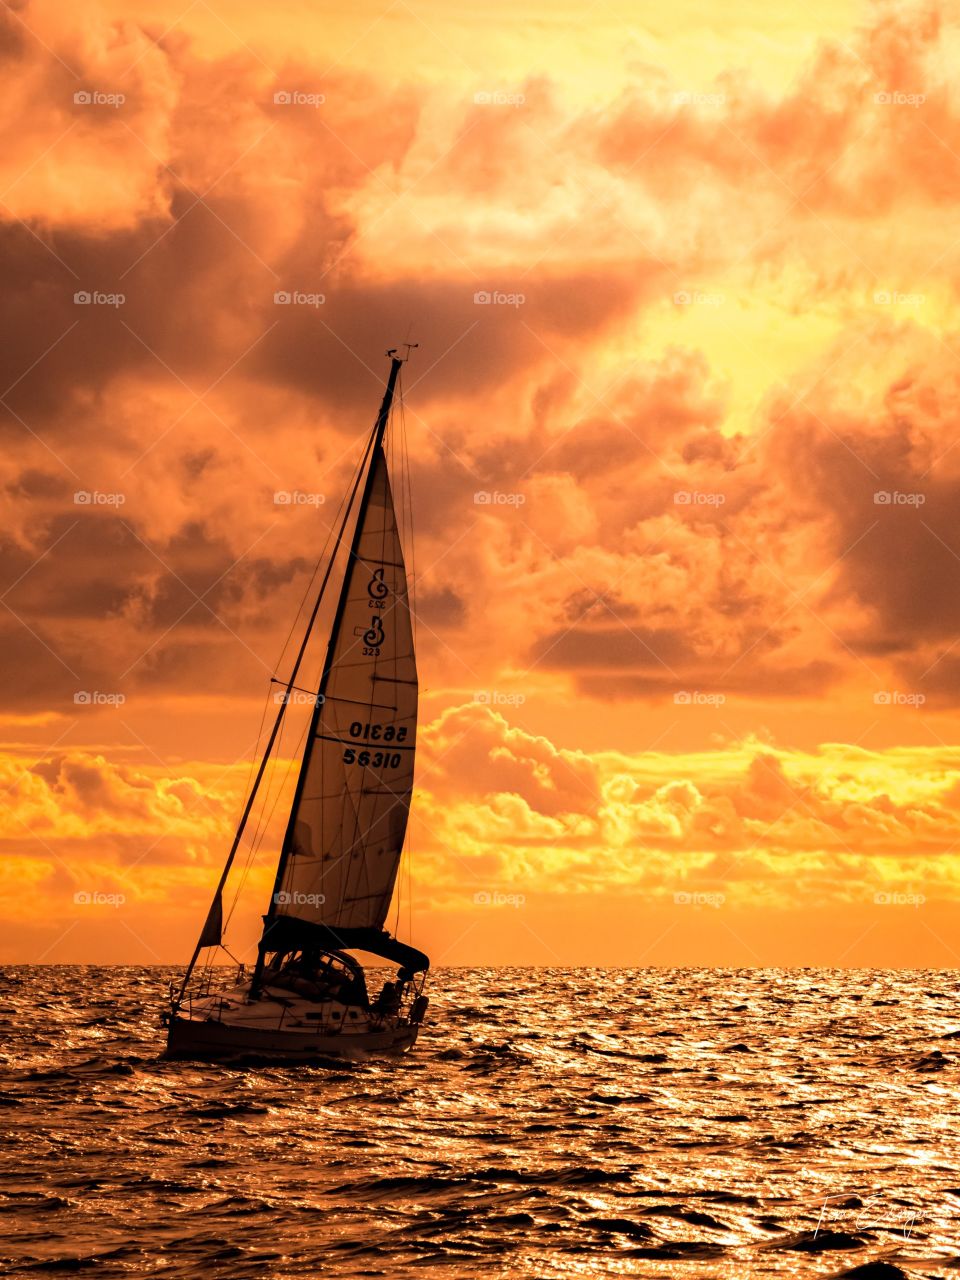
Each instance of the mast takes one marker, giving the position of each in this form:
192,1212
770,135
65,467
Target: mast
375,444
213,921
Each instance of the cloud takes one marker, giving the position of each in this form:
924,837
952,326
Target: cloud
78,796
881,472
500,810
675,339
76,156
840,824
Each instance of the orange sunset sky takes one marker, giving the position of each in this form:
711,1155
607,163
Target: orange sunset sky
690,681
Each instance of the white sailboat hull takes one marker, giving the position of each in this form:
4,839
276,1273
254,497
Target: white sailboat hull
193,1038
276,1025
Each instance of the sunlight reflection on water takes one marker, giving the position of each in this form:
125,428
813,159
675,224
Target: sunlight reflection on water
550,1123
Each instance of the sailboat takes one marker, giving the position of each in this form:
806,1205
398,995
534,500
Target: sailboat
306,996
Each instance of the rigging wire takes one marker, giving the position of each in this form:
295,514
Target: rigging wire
255,842
255,849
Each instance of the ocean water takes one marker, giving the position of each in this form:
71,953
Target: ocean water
549,1123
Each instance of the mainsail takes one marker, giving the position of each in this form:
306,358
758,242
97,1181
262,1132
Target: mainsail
342,848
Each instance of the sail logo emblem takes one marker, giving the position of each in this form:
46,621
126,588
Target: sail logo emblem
373,636
377,589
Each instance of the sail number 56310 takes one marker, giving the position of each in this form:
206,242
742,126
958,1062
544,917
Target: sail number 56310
378,732
375,759
366,731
